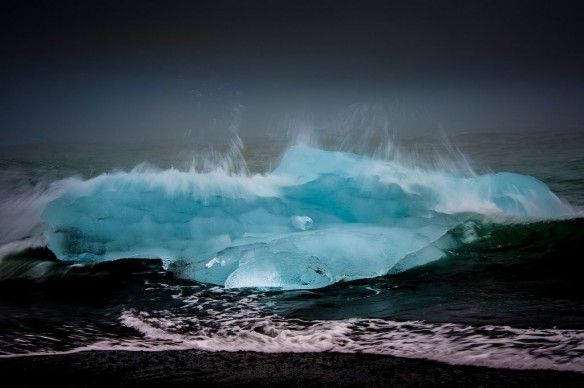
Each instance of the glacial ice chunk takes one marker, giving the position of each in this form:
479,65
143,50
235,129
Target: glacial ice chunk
319,218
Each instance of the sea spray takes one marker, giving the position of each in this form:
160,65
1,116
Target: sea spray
240,230
499,288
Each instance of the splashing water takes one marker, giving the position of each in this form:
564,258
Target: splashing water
287,253
319,218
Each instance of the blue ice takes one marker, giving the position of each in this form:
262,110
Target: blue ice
319,218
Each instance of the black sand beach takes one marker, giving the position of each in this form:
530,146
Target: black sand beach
237,369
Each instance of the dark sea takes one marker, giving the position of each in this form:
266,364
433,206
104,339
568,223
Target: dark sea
464,250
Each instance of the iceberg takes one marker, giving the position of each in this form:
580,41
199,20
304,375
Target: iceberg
319,218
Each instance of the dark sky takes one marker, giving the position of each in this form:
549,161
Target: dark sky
98,70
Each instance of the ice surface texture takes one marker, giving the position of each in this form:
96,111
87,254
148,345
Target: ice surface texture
320,217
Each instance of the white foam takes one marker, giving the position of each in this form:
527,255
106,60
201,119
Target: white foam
491,346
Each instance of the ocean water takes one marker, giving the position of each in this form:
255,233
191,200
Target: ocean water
464,250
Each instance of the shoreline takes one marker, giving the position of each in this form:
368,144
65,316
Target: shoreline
181,368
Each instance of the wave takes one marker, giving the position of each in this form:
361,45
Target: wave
167,313
543,252
319,218
245,326
488,345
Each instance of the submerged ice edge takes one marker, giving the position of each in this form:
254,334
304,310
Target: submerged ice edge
320,217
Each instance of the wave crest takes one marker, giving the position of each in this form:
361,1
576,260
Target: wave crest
367,217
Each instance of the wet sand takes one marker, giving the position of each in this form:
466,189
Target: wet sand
194,368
